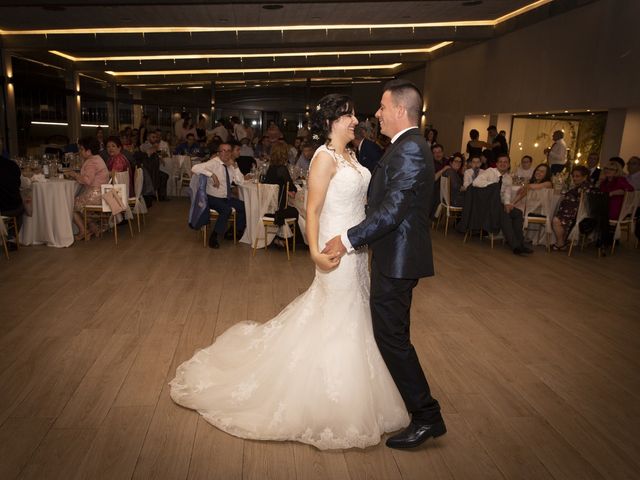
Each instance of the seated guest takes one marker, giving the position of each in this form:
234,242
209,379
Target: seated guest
10,199
93,173
367,152
511,220
155,144
263,148
245,148
188,147
154,150
472,172
487,159
567,212
541,178
278,174
633,167
222,172
439,166
613,183
454,174
593,160
117,161
304,160
524,170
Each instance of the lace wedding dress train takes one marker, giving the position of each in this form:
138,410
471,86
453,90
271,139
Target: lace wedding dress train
313,373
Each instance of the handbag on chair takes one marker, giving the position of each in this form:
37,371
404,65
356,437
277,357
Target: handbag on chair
112,199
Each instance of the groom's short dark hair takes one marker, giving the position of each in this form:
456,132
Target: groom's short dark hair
406,94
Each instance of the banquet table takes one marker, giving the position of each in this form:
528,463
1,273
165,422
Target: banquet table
255,207
51,221
174,166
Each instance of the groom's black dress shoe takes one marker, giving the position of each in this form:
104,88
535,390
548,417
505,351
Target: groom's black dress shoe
415,435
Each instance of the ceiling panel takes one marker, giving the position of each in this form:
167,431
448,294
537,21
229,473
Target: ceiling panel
23,18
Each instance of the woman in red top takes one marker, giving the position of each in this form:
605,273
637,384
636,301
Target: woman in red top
613,182
117,161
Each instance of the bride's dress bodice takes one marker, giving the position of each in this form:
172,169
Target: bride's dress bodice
313,373
344,207
346,196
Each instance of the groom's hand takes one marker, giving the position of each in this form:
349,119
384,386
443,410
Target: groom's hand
335,247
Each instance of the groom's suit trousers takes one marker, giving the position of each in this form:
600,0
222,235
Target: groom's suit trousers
390,312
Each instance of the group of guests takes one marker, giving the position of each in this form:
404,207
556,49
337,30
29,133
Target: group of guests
477,171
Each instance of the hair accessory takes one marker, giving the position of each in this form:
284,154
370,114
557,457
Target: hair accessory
318,107
315,136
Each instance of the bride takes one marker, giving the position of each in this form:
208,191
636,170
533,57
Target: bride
312,374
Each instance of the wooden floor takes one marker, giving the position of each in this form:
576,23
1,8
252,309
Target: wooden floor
534,360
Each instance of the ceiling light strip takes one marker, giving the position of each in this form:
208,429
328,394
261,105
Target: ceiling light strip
223,71
196,56
275,28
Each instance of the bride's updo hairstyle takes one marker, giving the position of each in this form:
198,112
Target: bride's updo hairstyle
328,110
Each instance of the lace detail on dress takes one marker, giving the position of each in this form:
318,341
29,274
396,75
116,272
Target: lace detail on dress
313,373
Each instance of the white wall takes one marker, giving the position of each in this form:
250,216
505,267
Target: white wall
587,58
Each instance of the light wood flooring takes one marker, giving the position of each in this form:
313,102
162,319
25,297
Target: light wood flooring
534,360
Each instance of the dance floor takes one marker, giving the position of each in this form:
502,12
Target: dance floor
534,360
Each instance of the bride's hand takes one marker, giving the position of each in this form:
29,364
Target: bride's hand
325,261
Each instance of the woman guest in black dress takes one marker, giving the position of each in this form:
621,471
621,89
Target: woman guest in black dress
568,209
278,174
475,146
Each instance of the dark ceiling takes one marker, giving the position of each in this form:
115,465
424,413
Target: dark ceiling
333,39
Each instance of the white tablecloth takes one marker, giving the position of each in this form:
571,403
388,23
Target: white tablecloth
51,221
174,166
256,208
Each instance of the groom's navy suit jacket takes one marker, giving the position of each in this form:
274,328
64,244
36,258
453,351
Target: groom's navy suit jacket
396,228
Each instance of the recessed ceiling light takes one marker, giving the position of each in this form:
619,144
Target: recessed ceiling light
273,6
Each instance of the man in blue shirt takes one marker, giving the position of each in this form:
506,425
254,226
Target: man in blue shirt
190,147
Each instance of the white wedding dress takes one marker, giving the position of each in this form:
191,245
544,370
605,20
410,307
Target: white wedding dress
313,373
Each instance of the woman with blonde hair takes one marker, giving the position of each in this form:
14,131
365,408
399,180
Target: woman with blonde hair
613,182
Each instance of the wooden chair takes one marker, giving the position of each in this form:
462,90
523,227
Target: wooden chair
626,218
104,210
136,202
445,205
269,222
213,216
6,221
541,218
575,235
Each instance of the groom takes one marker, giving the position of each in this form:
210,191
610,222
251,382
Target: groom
396,230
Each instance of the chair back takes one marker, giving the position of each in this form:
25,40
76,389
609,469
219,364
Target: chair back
138,182
445,191
267,197
583,212
121,178
3,228
627,212
121,190
629,205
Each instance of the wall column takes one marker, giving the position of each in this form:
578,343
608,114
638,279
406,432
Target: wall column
72,84
10,124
